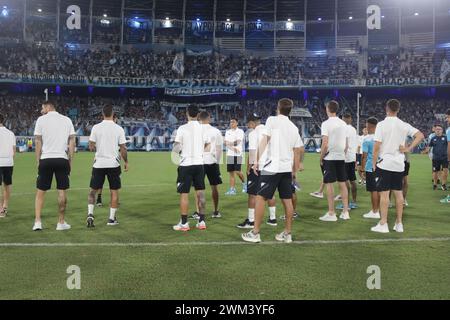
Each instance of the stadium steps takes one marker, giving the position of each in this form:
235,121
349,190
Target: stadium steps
348,44
320,43
417,40
229,43
259,41
285,44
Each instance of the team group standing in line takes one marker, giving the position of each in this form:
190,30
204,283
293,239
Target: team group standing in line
275,157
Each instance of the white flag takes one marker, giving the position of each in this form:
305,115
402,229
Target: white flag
445,69
178,64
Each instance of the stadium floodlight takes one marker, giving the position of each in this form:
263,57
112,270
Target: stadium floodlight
105,15
228,19
350,18
5,12
259,20
319,19
198,19
289,20
416,13
382,17
167,18
39,10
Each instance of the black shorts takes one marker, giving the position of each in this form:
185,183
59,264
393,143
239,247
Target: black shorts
212,171
334,170
407,166
47,168
234,164
371,185
99,174
188,176
350,168
358,159
6,175
270,182
253,183
439,165
388,180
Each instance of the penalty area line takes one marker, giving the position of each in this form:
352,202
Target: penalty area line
218,243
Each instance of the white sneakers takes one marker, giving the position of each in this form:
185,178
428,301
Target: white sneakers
344,216
398,227
284,237
37,226
381,228
317,194
251,237
201,225
59,227
181,227
372,215
329,217
62,226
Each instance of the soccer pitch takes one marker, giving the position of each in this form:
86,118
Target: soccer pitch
143,258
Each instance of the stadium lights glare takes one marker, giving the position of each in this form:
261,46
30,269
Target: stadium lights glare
167,18
4,12
105,15
289,20
228,19
198,19
105,21
39,10
416,13
319,19
382,17
259,20
350,18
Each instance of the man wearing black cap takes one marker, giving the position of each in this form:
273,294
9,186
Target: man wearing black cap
254,138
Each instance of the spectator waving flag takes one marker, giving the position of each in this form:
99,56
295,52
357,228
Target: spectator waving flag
445,69
235,78
178,64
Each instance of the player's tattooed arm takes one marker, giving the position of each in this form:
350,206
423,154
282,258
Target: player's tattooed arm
38,148
71,147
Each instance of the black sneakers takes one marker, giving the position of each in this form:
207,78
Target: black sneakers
272,222
112,222
246,225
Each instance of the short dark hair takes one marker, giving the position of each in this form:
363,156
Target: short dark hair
448,112
285,106
393,105
50,104
235,119
203,115
108,110
2,118
333,106
372,121
438,125
347,116
193,110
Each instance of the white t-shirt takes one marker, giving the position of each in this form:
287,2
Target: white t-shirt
336,131
7,145
55,130
284,137
254,139
360,142
392,133
233,135
192,139
216,140
350,156
107,136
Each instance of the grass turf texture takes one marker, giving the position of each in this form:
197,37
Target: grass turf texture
416,270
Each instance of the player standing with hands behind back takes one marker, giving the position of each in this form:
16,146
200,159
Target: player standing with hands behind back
55,146
389,148
106,139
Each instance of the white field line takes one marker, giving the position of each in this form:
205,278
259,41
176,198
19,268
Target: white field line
219,243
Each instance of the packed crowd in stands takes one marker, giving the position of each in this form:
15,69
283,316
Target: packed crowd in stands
22,111
46,59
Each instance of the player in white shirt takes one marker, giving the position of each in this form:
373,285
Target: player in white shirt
109,143
257,130
7,153
190,144
350,160
359,168
234,141
212,159
285,149
332,159
55,146
389,148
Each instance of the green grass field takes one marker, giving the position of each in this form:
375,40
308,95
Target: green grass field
215,264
